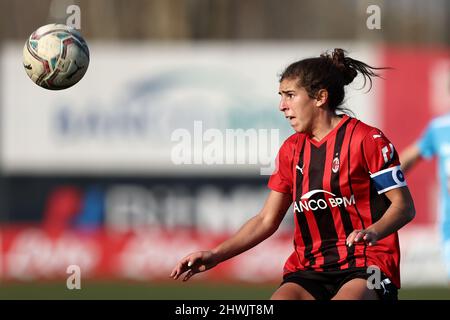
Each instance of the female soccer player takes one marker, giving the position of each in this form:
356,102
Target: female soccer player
348,193
435,141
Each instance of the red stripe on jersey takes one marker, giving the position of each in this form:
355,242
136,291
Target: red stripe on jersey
305,169
311,249
341,149
355,254
297,259
340,241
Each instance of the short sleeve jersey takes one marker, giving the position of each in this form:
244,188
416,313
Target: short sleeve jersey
338,185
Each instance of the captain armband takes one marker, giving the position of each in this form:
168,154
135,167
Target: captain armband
388,179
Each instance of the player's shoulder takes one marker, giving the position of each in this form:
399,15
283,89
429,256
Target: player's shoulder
293,139
364,130
290,144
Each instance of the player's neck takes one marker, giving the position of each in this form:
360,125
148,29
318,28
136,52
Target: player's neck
326,122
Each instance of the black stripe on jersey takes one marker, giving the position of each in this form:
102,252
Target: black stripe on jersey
351,189
324,218
301,219
379,203
335,188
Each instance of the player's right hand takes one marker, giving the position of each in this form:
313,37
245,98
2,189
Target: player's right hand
194,263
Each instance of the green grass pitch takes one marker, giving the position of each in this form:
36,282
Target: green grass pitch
171,291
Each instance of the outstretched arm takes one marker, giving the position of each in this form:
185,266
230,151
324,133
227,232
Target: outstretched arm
400,212
409,157
254,231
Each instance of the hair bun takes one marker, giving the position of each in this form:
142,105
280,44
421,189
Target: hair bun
338,57
343,64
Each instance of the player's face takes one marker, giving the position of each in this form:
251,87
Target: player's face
297,106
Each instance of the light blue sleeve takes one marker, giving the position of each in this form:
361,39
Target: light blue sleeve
426,142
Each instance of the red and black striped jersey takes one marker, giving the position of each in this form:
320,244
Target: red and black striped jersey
337,186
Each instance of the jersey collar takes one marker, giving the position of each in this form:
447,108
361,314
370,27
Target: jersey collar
329,134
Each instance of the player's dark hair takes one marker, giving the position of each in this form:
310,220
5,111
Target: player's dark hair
330,71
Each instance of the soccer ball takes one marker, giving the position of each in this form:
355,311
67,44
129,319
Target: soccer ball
55,56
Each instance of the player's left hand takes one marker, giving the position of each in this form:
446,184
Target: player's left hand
193,263
368,236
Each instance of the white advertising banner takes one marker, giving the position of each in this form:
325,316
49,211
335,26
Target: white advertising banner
162,109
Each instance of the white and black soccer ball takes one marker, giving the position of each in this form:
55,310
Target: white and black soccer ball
55,56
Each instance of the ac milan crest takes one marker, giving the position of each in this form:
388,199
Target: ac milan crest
335,165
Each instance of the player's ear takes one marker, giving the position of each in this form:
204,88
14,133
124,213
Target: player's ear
321,97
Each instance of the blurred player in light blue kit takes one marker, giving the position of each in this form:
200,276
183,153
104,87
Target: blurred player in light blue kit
435,141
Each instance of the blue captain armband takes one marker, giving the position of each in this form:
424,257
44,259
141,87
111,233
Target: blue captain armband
388,179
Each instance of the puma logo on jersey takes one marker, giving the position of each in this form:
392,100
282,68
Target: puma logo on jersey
300,169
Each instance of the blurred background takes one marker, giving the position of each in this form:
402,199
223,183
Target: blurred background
121,174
